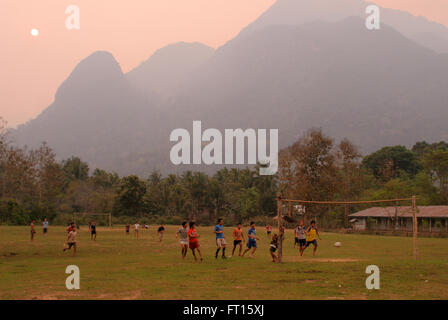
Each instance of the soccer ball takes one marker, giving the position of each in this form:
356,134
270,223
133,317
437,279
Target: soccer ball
337,244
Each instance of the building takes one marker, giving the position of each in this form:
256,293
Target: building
431,219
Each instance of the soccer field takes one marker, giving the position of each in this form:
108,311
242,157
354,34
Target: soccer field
116,266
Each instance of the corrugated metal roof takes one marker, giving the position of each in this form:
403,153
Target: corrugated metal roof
405,212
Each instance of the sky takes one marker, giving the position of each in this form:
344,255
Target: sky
33,67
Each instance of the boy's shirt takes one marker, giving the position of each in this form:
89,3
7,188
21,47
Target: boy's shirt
219,228
301,232
311,236
72,237
193,236
238,234
136,226
45,224
183,234
252,233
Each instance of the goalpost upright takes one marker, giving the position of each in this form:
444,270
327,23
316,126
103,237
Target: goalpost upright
280,202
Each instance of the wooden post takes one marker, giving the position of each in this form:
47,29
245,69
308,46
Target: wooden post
346,215
415,225
280,228
430,225
110,220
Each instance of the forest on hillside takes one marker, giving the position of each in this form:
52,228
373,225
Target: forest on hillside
34,185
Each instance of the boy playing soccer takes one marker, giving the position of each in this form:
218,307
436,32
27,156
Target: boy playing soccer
311,234
182,234
238,238
93,231
268,230
127,228
220,240
45,225
273,247
33,231
71,241
136,226
193,240
301,235
252,242
160,231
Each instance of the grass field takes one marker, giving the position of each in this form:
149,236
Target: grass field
117,266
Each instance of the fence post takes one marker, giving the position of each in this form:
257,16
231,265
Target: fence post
415,225
280,227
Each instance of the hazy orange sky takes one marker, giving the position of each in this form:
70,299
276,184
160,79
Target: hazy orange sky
32,68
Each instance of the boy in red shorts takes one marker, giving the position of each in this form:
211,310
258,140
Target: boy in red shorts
193,241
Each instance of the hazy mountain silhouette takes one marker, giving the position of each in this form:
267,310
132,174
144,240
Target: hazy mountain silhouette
374,87
168,68
296,12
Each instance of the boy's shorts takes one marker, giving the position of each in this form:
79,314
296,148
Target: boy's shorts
314,242
193,244
302,242
183,242
252,243
45,230
71,244
236,242
221,242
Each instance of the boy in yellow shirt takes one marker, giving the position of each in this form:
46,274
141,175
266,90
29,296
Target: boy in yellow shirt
311,234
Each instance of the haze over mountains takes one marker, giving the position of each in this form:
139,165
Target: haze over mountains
302,64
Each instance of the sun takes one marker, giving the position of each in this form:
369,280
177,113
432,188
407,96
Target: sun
34,32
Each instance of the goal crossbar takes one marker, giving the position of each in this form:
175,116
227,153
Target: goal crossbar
281,228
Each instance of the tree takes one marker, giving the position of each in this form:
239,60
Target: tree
436,165
308,168
75,169
130,195
389,162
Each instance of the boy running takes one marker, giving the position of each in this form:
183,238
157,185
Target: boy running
93,231
33,231
193,240
128,227
238,238
273,247
160,231
252,242
220,240
311,234
45,225
71,241
301,235
182,234
136,226
268,230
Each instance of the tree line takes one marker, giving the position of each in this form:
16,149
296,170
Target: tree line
35,185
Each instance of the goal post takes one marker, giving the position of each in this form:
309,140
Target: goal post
280,217
109,215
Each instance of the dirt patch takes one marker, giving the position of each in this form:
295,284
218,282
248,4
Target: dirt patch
8,255
301,259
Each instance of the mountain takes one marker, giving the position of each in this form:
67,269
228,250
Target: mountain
168,68
296,12
292,69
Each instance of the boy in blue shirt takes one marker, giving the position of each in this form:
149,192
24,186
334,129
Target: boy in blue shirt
220,240
252,242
